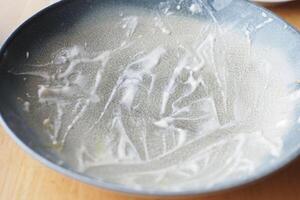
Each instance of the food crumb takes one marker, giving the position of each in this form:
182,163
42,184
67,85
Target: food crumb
26,106
46,122
27,54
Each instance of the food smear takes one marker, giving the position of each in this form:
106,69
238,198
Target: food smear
176,102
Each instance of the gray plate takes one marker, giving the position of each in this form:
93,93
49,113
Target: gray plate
76,22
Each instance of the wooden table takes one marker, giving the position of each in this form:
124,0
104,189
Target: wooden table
21,177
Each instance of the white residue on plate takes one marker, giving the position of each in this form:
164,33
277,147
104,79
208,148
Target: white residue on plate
160,24
191,106
26,106
130,23
195,8
27,55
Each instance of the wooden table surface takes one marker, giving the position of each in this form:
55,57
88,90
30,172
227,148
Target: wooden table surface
22,177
